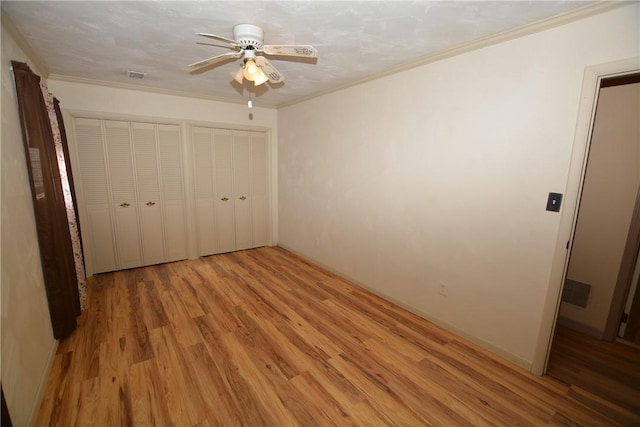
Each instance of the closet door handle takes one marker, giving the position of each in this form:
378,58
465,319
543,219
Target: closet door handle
125,205
224,199
151,203
243,198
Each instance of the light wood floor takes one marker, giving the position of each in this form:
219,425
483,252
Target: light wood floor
262,337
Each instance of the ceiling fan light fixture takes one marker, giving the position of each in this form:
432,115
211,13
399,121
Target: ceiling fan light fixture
237,74
251,70
260,78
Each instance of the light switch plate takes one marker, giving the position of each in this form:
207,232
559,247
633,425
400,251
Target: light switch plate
554,201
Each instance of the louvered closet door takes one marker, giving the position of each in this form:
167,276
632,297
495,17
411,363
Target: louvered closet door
125,204
99,246
148,186
203,164
172,187
231,189
260,236
224,197
242,189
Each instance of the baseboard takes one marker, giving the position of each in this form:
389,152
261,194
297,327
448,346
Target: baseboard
523,363
581,327
42,387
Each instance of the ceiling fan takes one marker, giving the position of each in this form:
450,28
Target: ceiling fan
248,44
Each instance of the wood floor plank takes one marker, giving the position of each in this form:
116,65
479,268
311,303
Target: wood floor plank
221,405
114,407
88,403
152,311
265,338
180,322
60,384
322,401
148,405
387,405
283,302
443,394
175,387
271,405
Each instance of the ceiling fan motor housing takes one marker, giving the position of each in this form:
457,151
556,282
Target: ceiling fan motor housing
248,35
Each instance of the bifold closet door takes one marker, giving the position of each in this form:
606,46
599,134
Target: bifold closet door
172,192
98,242
133,195
224,217
242,194
148,186
231,189
203,182
158,165
123,189
259,214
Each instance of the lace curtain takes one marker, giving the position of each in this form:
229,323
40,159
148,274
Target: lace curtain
69,197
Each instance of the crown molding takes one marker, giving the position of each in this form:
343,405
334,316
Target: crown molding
22,43
599,6
140,88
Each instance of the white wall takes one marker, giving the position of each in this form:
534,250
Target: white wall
440,174
28,345
81,99
607,202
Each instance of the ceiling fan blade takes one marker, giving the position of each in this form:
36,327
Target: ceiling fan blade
215,59
269,70
219,38
304,51
219,45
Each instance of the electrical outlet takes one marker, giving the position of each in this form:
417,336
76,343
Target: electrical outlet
443,289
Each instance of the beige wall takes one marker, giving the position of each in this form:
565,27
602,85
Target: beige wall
440,174
610,188
28,345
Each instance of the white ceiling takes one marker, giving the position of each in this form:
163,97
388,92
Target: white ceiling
101,40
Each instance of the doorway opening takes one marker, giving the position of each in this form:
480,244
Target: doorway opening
604,250
600,303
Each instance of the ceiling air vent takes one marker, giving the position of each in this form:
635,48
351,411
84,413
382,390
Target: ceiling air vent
136,74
